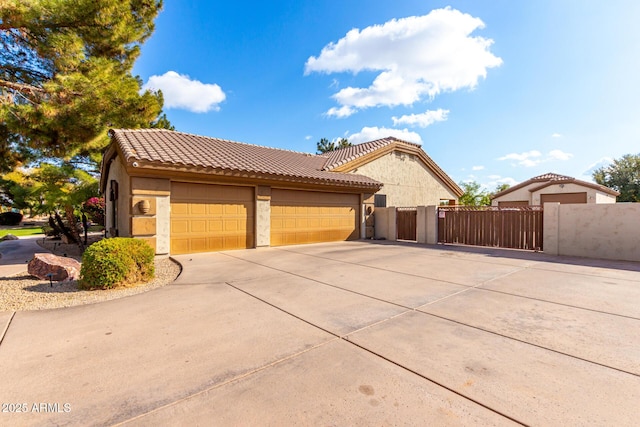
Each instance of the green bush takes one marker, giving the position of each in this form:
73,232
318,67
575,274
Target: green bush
10,218
117,262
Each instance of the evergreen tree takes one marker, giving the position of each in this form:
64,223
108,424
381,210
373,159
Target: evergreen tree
622,175
65,76
324,145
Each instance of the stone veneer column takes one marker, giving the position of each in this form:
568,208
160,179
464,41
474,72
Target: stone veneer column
263,216
150,212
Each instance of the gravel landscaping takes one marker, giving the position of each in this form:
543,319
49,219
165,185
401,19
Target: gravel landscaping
24,292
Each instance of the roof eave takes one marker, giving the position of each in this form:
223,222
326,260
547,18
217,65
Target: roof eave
136,164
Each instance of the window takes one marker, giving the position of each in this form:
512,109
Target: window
380,200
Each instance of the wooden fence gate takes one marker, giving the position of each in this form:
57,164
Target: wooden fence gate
406,220
505,227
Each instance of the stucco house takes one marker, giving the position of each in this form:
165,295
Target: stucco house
185,193
552,187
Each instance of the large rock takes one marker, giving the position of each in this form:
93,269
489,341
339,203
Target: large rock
62,269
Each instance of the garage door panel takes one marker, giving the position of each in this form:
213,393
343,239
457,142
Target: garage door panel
309,217
216,210
179,227
179,208
198,209
207,217
179,246
198,226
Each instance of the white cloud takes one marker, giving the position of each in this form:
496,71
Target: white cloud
423,120
526,159
534,157
373,133
181,92
417,57
477,168
308,137
341,112
559,155
556,135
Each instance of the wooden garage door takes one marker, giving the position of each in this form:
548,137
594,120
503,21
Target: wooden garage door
311,217
564,198
206,218
513,203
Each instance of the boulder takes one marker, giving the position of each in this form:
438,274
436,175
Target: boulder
61,269
9,237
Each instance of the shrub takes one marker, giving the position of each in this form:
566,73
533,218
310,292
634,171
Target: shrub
48,231
116,262
10,218
94,208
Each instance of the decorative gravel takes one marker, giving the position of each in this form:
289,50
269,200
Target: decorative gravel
24,292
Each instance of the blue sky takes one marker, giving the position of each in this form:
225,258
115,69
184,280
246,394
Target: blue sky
495,90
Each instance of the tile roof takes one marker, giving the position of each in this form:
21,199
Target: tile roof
344,155
161,147
551,177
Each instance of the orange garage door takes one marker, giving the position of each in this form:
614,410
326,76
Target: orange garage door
206,217
310,217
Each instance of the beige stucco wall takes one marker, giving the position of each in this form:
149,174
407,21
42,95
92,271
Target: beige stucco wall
385,223
118,173
604,197
407,181
426,224
568,188
607,231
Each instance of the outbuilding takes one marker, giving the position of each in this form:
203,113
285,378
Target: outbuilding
552,187
186,193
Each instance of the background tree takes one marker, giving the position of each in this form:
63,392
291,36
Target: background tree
49,188
473,195
65,76
622,175
324,145
501,187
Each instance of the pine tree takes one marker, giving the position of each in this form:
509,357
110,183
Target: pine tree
65,76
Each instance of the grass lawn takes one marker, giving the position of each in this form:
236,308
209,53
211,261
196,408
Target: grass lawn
21,231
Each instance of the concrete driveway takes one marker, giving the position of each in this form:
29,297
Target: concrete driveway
351,333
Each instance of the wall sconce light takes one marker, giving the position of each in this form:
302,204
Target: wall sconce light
144,206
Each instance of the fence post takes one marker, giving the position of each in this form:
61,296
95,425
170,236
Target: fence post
380,223
392,228
385,224
551,228
421,224
432,225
